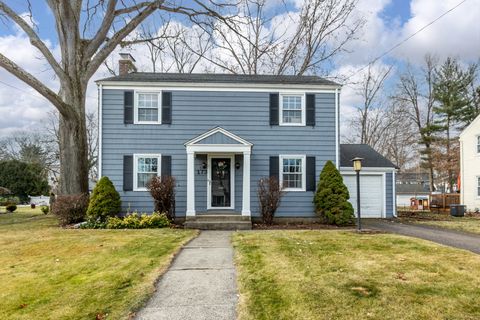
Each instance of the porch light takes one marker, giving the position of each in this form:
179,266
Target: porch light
357,166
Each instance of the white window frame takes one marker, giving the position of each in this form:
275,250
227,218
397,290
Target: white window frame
304,169
280,107
135,103
477,144
477,185
136,156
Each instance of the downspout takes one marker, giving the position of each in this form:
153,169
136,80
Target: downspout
99,135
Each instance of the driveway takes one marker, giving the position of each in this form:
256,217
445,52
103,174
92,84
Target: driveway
199,285
443,236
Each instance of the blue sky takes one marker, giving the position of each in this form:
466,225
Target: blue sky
388,23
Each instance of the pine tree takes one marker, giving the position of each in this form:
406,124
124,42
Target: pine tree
331,197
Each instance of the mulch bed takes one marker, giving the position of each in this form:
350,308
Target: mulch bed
298,226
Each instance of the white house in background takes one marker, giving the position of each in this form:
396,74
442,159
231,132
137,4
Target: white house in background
470,166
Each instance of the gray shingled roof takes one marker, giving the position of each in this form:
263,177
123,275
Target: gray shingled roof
371,158
219,78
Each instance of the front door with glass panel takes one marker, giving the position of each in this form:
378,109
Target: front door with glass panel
220,183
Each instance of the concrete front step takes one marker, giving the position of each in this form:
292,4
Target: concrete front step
203,224
219,217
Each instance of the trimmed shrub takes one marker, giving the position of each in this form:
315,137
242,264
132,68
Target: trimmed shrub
11,207
45,209
6,200
105,201
134,221
162,190
70,208
270,194
331,198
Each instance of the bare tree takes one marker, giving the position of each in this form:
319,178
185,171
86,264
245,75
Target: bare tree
415,92
370,123
87,33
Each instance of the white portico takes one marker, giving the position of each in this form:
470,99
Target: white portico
220,146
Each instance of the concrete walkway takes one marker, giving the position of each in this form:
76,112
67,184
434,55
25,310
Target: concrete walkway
452,238
200,284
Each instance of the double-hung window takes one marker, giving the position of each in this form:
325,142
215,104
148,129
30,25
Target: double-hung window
146,166
292,109
148,107
478,187
478,144
292,172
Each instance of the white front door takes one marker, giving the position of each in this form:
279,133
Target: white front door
221,182
371,194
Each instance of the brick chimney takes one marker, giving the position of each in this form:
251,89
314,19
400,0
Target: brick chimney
126,64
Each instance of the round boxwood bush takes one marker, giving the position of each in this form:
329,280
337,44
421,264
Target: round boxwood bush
45,209
104,202
331,198
11,207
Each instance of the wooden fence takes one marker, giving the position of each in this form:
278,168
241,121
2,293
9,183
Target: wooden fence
444,200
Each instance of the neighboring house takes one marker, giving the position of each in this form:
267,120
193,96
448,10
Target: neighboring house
218,135
412,185
470,166
377,181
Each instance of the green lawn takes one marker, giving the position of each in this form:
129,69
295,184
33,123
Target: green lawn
343,275
52,273
444,220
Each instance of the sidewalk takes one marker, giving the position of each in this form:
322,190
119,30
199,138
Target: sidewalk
200,284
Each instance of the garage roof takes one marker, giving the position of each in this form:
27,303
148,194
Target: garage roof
371,157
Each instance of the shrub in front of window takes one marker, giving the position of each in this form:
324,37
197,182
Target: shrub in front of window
270,194
70,208
163,191
331,198
11,206
135,221
105,201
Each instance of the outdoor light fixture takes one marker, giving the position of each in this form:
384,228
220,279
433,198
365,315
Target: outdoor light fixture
237,165
204,165
357,166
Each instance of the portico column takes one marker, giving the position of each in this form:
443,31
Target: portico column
246,184
190,183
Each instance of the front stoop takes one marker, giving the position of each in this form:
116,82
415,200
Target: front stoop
218,221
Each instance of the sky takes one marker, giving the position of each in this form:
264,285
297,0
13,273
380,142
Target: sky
389,22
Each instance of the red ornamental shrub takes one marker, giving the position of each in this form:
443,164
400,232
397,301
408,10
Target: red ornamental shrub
270,194
163,192
70,208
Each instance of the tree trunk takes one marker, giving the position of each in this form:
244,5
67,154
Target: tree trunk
73,153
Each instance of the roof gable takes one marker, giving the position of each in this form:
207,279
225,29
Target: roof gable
475,124
218,136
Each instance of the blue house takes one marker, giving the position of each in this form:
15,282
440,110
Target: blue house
218,135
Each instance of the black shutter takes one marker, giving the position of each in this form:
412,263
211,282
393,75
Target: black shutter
128,173
274,111
311,175
310,109
128,107
166,107
274,171
166,166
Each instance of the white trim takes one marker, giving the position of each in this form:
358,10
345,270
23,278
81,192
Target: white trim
304,169
369,169
237,87
99,135
190,183
394,193
213,131
209,180
337,130
471,125
229,148
135,167
135,106
246,185
302,105
384,192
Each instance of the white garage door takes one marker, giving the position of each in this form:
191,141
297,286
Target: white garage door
371,194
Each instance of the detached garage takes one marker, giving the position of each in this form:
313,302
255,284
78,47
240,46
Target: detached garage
377,181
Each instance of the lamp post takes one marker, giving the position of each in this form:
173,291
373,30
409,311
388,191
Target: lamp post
357,166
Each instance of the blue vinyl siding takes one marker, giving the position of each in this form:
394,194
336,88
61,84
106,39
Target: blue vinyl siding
389,195
245,114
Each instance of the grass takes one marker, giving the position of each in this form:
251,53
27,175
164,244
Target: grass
343,275
444,220
52,273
